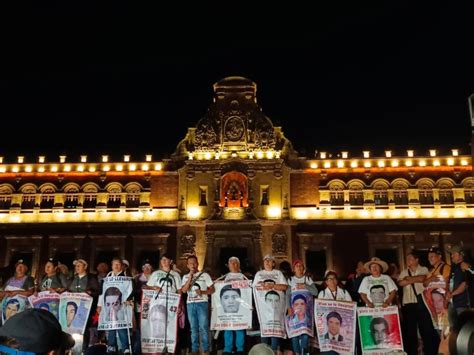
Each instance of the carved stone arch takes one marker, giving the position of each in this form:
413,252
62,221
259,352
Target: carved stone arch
114,188
336,185
71,188
380,184
468,183
29,189
425,184
445,183
90,187
6,189
133,188
48,188
400,184
356,184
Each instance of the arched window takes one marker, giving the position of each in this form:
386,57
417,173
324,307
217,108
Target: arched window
47,197
425,192
356,194
446,196
71,196
336,193
380,193
400,192
114,197
5,197
468,185
90,196
28,200
133,195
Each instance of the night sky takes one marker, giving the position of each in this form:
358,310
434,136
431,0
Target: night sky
377,76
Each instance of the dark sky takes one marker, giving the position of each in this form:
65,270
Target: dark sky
378,75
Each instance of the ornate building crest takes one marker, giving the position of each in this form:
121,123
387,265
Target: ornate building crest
279,243
187,245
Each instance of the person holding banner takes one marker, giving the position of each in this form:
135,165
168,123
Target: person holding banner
270,280
52,279
20,283
377,290
165,277
198,285
298,310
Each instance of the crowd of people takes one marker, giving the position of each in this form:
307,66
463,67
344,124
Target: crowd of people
369,286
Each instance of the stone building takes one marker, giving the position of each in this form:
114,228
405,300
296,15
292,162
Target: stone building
236,186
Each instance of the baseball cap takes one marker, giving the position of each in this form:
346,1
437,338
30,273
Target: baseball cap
53,261
456,249
82,261
146,262
234,258
269,257
36,330
435,250
297,261
20,261
125,262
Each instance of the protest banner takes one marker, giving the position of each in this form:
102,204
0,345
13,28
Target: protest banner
13,305
302,318
434,296
47,300
115,312
271,310
74,309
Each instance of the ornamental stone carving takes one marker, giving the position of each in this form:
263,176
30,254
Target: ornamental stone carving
187,245
279,243
234,129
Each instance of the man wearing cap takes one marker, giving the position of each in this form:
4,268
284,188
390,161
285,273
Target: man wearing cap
377,290
53,280
20,283
457,295
270,279
34,331
440,271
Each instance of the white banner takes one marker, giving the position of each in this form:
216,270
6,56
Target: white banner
115,312
336,325
13,305
47,300
74,309
154,325
232,305
271,310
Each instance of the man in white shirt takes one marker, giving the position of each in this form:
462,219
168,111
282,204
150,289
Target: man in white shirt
198,285
370,289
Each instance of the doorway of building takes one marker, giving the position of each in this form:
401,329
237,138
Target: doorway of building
241,253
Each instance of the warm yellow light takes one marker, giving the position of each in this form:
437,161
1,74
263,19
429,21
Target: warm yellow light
67,168
207,156
1,160
436,162
388,153
395,163
410,153
270,154
234,155
259,154
322,155
132,167
367,164
450,161
432,152
190,156
145,167
340,163
217,155
464,162
105,167
194,212
354,164
62,158
422,162
41,159
54,168
28,168
301,214
83,158
21,159
381,164
15,169
408,163
158,166
80,168
314,166
274,212
148,157
345,155
251,155
92,168
41,169
105,158
277,154
327,165
119,167
455,152
126,158
366,154
3,169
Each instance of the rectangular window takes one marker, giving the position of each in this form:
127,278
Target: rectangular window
400,197
426,197
265,195
90,201
446,197
380,197
337,198
356,198
71,201
47,202
28,202
113,201
202,195
469,196
133,200
5,202
316,263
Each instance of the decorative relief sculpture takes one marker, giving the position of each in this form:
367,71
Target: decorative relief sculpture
187,245
279,243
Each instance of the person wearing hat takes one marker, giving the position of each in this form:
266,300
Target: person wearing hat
377,289
458,292
126,267
34,331
270,279
140,280
53,280
439,271
20,283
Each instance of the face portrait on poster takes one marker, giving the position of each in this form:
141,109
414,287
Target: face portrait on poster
271,312
302,319
335,325
74,309
49,301
379,329
159,321
434,298
115,312
12,306
231,305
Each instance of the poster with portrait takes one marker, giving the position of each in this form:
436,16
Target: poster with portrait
232,305
47,300
379,329
159,321
271,310
336,325
434,297
302,318
13,305
115,312
74,309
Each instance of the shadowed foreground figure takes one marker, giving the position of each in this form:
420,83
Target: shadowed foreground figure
34,331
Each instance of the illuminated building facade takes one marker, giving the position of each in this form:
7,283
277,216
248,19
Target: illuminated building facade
236,186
